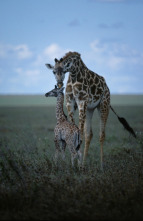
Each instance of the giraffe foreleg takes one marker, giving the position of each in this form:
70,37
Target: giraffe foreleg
88,132
70,112
82,116
71,106
103,112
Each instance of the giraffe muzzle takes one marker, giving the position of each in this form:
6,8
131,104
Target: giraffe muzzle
60,84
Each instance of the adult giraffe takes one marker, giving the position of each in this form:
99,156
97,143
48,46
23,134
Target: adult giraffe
87,91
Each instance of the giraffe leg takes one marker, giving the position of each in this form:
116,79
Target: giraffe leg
73,156
79,156
73,153
82,116
63,149
70,113
103,112
70,105
88,132
76,155
58,150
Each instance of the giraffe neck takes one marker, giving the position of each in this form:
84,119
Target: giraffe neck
76,69
60,115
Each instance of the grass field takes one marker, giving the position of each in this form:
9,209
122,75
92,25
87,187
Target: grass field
33,187
41,100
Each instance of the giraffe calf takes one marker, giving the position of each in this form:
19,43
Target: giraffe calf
66,133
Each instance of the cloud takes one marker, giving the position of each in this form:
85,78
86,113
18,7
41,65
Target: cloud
53,51
119,63
114,55
48,54
19,51
24,71
28,77
22,51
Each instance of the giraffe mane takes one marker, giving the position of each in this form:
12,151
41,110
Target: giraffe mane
70,53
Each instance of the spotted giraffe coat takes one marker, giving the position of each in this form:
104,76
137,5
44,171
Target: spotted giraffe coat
86,90
66,133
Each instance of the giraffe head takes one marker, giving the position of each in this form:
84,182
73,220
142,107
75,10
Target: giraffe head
57,71
65,64
55,92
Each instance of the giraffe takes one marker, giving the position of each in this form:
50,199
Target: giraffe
66,133
85,90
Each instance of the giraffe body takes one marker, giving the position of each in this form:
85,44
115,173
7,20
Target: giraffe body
86,90
66,133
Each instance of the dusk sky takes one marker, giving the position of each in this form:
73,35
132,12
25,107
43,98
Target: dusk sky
107,33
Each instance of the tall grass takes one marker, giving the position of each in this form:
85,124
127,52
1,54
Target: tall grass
32,186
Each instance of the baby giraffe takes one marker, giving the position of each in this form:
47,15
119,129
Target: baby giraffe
66,133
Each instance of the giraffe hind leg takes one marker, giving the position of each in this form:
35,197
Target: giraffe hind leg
79,157
58,149
103,112
102,138
63,147
75,154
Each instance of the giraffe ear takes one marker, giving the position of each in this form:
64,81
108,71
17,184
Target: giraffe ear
56,60
49,66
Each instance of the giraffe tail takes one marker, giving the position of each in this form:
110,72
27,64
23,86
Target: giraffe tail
124,123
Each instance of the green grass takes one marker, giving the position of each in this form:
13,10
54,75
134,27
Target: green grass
25,100
32,186
41,100
126,100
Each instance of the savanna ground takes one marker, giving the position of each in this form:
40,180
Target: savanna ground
33,187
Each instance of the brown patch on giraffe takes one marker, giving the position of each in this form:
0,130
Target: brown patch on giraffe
79,87
84,88
93,89
85,82
96,80
79,78
99,91
101,83
96,98
88,75
68,88
77,63
91,81
81,95
82,72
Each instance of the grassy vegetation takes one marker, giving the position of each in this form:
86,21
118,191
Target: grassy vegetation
32,186
40,100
